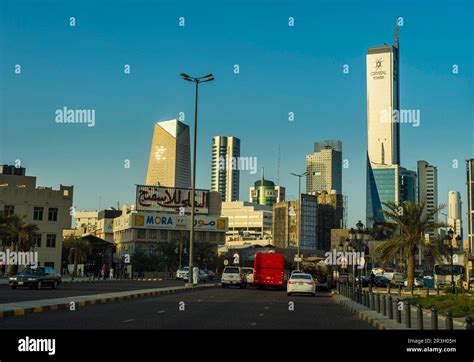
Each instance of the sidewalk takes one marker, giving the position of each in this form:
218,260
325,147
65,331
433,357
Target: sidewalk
38,306
379,321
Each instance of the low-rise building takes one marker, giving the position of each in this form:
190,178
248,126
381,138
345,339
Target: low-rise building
249,223
49,209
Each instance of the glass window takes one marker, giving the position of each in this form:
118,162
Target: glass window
38,213
9,210
141,234
50,240
37,241
53,214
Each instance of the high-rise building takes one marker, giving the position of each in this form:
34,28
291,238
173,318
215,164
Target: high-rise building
470,202
225,178
428,191
330,216
295,221
455,212
388,183
265,192
324,167
386,179
169,162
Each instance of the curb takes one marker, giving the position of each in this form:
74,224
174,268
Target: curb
18,312
360,314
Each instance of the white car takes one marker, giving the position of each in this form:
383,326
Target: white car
248,272
301,283
181,273
418,282
232,275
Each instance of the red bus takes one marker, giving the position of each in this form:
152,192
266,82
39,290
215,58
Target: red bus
270,270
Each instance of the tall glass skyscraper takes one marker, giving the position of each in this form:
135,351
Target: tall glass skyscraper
470,202
225,178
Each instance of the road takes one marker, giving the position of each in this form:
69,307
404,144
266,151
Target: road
215,308
74,289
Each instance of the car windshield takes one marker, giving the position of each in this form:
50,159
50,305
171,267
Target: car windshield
231,270
301,276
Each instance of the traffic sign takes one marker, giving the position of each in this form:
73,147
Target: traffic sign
226,262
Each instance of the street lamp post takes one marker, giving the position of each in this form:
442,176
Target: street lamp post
196,81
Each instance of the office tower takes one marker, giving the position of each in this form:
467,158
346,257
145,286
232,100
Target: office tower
330,216
264,192
225,170
169,163
455,212
470,202
386,179
324,167
428,190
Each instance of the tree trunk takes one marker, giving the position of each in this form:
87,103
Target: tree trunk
411,269
74,273
11,267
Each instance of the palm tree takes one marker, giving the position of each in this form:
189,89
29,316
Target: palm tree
410,224
78,251
18,234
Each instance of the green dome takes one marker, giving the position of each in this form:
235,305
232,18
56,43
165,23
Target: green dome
259,183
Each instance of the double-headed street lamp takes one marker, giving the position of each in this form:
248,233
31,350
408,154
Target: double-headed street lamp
359,237
196,81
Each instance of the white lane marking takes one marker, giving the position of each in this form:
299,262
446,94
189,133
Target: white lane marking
266,307
253,324
199,300
128,320
161,311
261,315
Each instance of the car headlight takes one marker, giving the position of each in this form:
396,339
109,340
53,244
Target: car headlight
13,279
31,279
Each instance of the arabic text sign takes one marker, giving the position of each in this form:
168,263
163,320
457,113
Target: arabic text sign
171,199
176,222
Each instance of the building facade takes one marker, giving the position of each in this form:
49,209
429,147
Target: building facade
249,223
45,207
169,162
455,212
330,216
296,221
428,191
324,167
225,178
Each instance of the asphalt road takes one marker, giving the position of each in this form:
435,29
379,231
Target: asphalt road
215,308
8,295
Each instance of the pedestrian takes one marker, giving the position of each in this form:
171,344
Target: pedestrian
372,279
171,272
104,269
111,273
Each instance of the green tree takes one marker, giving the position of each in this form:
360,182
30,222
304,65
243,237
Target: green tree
409,224
18,234
79,251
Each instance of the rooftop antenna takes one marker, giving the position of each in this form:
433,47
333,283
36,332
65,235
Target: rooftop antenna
263,176
278,166
396,33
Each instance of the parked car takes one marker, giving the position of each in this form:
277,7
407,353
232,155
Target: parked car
232,275
381,281
210,275
203,276
301,283
181,272
36,278
418,283
248,274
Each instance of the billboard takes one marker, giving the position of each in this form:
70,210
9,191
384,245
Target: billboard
171,199
177,222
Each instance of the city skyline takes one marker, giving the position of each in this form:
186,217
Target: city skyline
263,126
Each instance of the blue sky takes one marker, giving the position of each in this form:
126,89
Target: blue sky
282,69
